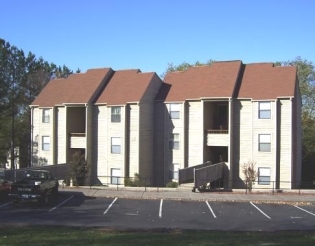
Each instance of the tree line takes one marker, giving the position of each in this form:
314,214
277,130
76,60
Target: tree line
23,76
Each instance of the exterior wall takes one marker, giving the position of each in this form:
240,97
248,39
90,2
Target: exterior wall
134,139
242,139
61,134
195,136
265,126
297,140
285,143
35,135
115,129
89,138
144,123
40,129
246,129
100,133
160,166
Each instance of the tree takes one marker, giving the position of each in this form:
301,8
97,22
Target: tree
250,174
184,66
306,77
78,168
22,77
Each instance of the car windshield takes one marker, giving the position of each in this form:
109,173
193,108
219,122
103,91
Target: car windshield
35,175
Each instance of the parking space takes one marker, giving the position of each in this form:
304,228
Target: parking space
79,210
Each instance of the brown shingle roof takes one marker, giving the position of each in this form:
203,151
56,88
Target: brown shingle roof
214,81
77,88
125,86
264,81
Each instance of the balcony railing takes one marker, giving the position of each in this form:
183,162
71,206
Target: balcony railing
217,137
77,140
218,131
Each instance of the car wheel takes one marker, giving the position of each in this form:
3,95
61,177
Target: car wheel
44,199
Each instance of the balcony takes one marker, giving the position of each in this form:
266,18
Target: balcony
217,137
77,140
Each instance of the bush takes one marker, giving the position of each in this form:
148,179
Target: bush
172,184
78,168
250,173
136,181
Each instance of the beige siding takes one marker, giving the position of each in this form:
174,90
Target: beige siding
35,135
242,138
195,133
146,140
100,133
115,129
61,134
265,126
41,129
145,127
89,138
160,164
285,144
134,141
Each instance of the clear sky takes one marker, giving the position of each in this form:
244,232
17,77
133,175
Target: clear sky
149,34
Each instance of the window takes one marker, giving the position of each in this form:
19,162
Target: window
174,110
46,116
116,114
45,143
115,176
264,142
116,145
174,167
264,110
264,175
174,141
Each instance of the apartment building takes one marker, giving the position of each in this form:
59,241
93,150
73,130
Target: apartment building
128,122
233,113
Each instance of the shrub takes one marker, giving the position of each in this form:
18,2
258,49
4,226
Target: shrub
78,168
250,173
172,184
136,181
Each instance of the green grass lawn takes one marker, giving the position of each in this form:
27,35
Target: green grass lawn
58,236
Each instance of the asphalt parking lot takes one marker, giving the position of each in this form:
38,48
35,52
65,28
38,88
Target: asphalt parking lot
130,213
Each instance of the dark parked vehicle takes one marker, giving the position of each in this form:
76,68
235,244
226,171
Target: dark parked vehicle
4,187
37,185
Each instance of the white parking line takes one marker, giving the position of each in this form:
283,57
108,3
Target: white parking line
60,204
211,210
5,204
110,206
160,211
260,210
304,210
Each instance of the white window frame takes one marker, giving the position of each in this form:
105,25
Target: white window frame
264,174
174,141
264,110
115,144
264,142
115,178
174,171
45,143
116,114
46,115
174,110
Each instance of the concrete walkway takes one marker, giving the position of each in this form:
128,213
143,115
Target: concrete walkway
301,196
